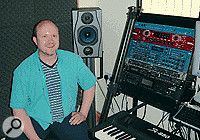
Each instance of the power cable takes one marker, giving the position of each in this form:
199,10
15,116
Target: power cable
162,119
112,108
145,110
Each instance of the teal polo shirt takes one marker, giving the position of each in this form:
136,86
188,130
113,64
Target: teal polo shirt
29,90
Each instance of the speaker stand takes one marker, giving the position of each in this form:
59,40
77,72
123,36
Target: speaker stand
91,119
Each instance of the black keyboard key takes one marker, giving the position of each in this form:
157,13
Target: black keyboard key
115,133
129,138
108,128
120,135
124,137
110,132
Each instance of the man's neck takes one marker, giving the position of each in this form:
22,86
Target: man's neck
48,59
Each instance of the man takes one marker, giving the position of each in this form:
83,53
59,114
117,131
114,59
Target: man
45,87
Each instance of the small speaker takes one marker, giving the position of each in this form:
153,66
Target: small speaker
196,57
87,32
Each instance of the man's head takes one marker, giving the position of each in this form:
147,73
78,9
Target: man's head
46,37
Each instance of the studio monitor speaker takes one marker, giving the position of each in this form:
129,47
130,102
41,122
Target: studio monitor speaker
87,32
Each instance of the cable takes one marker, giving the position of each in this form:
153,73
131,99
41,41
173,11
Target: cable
168,125
181,133
101,89
126,103
116,103
172,127
145,110
177,130
198,134
195,135
167,115
189,132
185,133
112,108
122,102
162,119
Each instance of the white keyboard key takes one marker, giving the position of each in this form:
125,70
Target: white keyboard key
104,135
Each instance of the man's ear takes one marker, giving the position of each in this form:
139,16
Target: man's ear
35,40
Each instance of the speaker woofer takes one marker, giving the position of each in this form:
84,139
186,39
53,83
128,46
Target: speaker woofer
88,35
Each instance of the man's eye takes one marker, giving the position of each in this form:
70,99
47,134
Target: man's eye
44,36
54,35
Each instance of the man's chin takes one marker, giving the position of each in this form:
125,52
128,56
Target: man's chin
49,53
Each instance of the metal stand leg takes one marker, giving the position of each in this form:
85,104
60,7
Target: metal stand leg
135,103
91,119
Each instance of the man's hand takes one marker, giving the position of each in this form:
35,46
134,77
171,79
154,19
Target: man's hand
28,126
77,118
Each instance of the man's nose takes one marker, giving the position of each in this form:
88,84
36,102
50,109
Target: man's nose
50,38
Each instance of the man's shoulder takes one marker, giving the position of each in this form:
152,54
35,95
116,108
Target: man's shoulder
68,54
27,62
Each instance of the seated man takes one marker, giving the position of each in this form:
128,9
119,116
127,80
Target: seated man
45,86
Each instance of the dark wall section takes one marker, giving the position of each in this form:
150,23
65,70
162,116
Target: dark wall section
17,19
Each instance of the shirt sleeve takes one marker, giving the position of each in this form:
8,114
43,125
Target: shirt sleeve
19,90
86,78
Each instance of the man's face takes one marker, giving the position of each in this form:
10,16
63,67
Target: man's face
47,39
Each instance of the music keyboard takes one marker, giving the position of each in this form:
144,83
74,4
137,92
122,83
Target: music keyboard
124,126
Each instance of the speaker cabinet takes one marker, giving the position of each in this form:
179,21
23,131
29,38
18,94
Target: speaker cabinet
87,32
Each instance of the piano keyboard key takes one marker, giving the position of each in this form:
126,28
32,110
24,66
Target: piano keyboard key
115,132
130,138
112,133
120,135
108,128
123,137
122,132
102,134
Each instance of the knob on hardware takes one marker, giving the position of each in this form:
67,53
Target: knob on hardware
146,33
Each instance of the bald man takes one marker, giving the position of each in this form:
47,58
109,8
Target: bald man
45,86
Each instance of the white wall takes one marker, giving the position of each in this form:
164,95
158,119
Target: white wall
113,22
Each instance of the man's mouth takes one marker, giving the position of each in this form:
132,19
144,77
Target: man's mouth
51,45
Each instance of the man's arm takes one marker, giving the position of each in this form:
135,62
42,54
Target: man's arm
88,96
87,100
28,127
